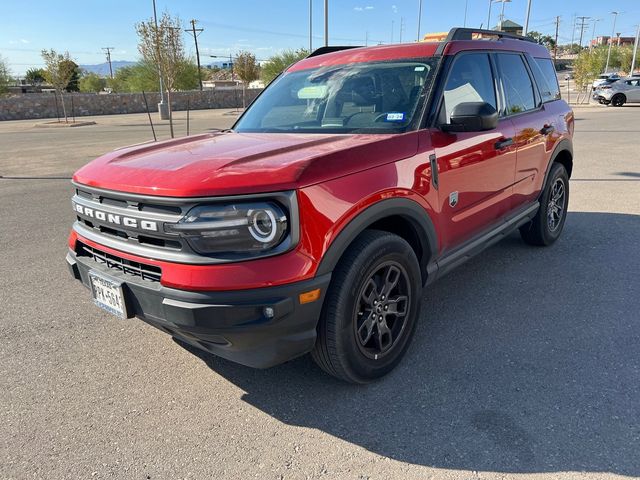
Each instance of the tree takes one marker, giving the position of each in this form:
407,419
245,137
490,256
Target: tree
59,72
73,85
143,77
163,47
546,40
92,83
278,63
246,67
5,76
35,76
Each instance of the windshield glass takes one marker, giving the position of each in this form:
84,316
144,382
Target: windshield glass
382,97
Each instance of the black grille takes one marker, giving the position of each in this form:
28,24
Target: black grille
149,273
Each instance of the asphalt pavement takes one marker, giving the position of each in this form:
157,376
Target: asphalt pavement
525,363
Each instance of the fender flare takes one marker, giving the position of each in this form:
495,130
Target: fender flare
408,209
564,144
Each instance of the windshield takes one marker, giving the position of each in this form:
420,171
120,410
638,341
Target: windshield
382,97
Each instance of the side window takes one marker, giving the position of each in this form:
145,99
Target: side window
516,82
546,78
470,80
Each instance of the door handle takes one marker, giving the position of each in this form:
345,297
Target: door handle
434,170
502,144
547,129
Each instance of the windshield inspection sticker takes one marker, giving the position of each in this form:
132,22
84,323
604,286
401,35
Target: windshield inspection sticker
395,117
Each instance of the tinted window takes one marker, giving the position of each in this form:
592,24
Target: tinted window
517,84
546,78
470,80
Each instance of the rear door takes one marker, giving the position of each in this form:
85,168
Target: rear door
633,93
475,169
533,124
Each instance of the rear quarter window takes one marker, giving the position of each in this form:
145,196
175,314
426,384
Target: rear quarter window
546,78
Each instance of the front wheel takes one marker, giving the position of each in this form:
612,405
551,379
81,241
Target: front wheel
370,310
546,226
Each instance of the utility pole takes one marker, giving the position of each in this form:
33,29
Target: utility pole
635,51
419,19
108,50
526,22
615,16
489,15
573,30
583,23
326,23
555,45
502,13
196,31
401,27
366,38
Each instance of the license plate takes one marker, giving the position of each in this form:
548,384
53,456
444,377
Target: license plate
108,294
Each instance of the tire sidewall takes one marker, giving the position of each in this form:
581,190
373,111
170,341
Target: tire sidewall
557,172
388,248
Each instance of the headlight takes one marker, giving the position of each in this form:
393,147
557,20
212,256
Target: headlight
250,227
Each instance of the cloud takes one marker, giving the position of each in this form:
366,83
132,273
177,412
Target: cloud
20,41
360,9
394,8
368,7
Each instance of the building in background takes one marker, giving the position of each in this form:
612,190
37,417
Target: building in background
606,40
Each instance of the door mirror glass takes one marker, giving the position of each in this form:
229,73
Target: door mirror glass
472,117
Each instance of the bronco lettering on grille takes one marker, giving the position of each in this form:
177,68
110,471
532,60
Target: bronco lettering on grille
116,219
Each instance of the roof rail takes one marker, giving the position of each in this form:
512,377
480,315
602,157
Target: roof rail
330,49
467,34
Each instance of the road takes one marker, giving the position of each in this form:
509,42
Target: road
525,362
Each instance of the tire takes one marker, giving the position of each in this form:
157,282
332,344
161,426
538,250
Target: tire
352,344
618,100
547,225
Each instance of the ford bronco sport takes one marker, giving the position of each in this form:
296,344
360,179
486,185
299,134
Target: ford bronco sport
358,177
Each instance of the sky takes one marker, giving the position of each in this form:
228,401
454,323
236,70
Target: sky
266,27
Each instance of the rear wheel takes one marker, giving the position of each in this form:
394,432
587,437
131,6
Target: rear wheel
370,310
618,100
547,225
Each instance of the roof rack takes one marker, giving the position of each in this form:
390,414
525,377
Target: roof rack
467,34
330,49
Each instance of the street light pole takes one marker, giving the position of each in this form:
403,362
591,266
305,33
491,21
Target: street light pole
526,22
163,108
310,26
615,16
326,23
635,51
593,32
502,13
489,15
419,18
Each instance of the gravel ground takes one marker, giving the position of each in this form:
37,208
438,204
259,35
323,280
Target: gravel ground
525,363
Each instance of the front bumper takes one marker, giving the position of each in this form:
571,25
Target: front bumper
231,324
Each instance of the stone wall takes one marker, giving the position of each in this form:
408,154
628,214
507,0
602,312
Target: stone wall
48,105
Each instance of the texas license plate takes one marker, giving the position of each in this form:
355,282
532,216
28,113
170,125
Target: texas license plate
108,294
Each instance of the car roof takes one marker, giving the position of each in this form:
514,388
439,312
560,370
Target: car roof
457,41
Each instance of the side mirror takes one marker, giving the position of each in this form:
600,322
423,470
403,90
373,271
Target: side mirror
472,117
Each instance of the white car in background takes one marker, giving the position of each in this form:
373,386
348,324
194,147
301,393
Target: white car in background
604,79
625,90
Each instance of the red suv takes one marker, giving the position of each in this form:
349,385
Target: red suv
358,177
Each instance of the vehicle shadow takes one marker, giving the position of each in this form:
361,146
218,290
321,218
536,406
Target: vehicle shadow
525,360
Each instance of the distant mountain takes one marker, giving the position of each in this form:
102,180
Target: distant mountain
103,68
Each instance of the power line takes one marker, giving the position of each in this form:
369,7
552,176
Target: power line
196,31
108,50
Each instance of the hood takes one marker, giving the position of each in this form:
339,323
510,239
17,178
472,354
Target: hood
229,163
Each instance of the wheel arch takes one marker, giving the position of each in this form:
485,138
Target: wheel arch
563,153
400,216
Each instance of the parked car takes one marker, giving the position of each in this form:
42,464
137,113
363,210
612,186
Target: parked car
626,90
604,79
357,178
